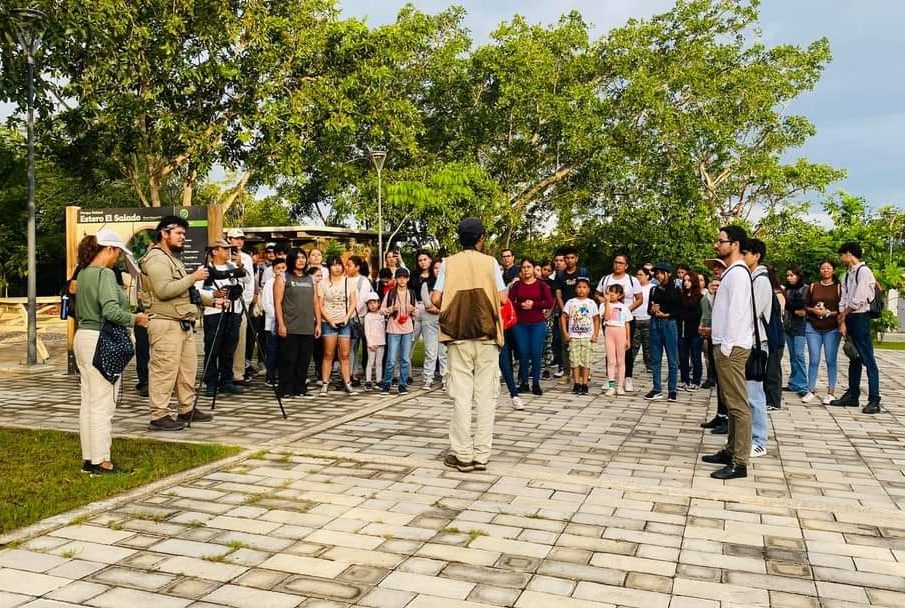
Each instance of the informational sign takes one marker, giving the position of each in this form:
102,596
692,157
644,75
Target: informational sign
136,227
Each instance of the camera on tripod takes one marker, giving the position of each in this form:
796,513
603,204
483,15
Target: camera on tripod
232,291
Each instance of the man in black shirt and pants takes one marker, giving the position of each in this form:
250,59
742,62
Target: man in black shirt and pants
665,301
565,291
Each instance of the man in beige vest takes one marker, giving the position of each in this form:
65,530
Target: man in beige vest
469,291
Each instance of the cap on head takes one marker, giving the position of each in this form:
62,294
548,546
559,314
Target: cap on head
471,229
664,266
235,233
108,238
218,243
402,272
270,247
715,264
372,297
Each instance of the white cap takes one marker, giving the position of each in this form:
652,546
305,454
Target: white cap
108,238
235,233
372,296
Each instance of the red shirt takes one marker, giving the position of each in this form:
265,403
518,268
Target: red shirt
539,292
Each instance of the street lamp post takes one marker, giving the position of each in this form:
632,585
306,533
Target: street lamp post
29,38
377,159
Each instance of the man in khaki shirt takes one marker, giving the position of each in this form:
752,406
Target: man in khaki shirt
174,361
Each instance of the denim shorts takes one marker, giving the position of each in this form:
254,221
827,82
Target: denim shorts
342,332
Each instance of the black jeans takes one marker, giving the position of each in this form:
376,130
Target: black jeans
294,357
142,353
219,352
773,379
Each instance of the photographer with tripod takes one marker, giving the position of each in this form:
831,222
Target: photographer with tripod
171,301
222,325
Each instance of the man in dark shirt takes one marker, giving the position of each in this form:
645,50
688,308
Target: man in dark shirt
510,270
664,303
565,291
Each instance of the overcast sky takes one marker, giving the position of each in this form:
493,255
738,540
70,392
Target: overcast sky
858,106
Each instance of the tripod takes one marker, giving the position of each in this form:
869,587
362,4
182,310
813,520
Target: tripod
258,341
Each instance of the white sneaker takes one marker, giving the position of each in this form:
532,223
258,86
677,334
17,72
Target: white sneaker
629,386
324,388
757,451
620,391
518,403
810,396
827,399
610,392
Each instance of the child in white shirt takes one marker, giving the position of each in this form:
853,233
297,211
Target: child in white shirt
580,326
617,317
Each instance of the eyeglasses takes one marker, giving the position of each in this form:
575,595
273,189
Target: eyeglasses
721,241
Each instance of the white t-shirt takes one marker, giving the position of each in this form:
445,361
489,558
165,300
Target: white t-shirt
630,286
641,313
619,314
580,313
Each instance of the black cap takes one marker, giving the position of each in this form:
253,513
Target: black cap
401,272
471,226
664,266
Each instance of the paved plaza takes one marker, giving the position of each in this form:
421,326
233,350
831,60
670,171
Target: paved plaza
587,502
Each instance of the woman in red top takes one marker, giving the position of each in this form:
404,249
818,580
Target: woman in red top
530,297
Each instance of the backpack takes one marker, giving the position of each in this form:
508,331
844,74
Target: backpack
391,299
776,334
877,304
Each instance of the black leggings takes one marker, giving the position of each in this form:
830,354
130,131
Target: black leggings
294,357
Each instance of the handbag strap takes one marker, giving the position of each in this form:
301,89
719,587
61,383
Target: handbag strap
753,306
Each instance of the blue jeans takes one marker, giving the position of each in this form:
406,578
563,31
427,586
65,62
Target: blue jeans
798,379
270,355
690,360
529,339
506,369
663,336
757,403
829,341
397,344
859,332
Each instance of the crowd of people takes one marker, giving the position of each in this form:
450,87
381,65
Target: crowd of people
478,318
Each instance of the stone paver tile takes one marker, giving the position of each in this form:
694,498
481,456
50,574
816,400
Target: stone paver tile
343,539
718,560
432,601
29,583
77,592
418,583
551,584
778,599
310,566
860,579
620,595
536,599
601,545
877,553
633,564
837,591
882,597
495,596
119,597
94,534
116,576
721,592
253,526
386,598
773,583
377,559
188,548
407,532
511,547
486,576
319,588
880,567
12,600
681,601
452,553
247,597
29,560
93,552
202,568
76,568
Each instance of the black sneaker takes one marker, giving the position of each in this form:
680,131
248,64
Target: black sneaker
87,467
584,389
536,389
722,429
673,396
576,389
713,422
368,386
209,390
232,389
199,416
479,466
142,389
98,471
454,463
731,471
403,389
846,400
653,395
721,457
165,424
545,375
523,387
872,407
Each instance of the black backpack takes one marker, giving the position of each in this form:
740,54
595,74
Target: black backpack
878,303
776,335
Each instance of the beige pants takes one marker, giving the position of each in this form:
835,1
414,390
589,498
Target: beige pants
474,385
174,362
730,372
239,355
98,400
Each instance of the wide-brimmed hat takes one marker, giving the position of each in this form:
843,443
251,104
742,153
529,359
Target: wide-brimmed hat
218,243
235,233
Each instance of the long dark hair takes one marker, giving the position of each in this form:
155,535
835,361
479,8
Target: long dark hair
692,296
797,272
293,257
88,250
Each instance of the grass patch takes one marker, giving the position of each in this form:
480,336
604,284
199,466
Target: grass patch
42,471
889,345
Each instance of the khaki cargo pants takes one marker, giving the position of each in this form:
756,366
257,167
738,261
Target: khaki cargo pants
173,364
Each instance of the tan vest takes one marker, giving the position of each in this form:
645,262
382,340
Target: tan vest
470,309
